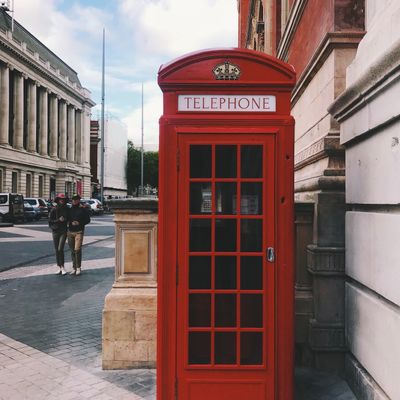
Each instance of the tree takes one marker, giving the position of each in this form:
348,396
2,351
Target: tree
150,168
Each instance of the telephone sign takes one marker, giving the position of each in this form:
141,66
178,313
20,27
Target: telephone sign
225,260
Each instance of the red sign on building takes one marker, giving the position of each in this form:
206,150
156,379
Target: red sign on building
225,260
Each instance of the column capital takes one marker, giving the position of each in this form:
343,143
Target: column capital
24,75
10,66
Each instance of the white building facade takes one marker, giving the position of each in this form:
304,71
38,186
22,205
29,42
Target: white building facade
44,119
369,116
115,157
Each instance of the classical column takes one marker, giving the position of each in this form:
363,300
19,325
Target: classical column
43,131
32,122
53,126
63,130
4,105
78,125
18,111
71,133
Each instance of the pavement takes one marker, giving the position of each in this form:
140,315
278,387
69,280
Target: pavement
50,336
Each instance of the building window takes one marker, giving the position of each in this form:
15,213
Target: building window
28,187
1,180
14,182
41,185
68,189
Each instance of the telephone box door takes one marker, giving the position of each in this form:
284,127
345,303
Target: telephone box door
226,269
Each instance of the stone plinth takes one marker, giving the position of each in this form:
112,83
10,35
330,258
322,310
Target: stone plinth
130,309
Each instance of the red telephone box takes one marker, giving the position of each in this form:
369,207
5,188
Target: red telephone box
225,260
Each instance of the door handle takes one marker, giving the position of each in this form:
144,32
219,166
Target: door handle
270,254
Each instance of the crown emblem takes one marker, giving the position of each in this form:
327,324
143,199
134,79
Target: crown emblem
226,72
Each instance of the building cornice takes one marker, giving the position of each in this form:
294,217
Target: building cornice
43,68
331,41
375,79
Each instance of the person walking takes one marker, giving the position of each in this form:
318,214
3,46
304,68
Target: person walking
58,220
78,218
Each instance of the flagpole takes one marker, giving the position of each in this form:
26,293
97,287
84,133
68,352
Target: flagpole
141,155
102,120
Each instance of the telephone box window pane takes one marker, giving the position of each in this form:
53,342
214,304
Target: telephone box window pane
225,310
225,348
251,235
199,310
225,161
225,235
200,198
225,198
200,235
251,348
251,198
251,161
199,347
251,273
225,272
251,310
200,161
199,272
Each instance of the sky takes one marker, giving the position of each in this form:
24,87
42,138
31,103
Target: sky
141,35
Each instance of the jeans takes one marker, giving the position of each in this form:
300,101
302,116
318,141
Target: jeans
75,240
59,242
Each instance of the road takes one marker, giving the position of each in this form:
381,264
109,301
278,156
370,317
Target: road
28,242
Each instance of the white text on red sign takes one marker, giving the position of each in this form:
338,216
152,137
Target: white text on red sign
226,103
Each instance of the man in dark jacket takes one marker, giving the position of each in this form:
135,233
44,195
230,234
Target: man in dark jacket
58,219
78,218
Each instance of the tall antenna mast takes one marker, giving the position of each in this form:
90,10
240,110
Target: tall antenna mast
102,119
141,153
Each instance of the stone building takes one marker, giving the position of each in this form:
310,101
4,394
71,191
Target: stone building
44,118
347,56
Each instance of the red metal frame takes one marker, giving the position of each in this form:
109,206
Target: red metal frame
191,74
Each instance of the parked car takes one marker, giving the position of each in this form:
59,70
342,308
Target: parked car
95,206
11,207
31,213
39,204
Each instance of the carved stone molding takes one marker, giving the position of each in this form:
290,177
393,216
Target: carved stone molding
325,260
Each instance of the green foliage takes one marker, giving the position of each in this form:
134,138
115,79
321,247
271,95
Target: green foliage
150,168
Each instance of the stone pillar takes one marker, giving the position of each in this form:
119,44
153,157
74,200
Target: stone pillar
43,131
326,265
78,130
130,309
71,134
4,103
63,131
53,126
32,122
18,111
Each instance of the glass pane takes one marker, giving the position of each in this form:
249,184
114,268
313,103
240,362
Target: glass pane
225,272
251,198
251,235
199,272
200,235
225,161
199,310
225,348
251,161
225,310
225,235
199,347
225,197
200,198
251,274
251,310
251,348
200,161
